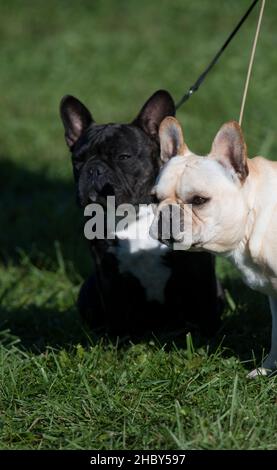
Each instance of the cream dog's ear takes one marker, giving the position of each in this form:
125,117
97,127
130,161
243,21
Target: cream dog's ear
171,139
229,149
76,119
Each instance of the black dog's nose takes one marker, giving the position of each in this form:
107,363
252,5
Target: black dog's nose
98,178
96,172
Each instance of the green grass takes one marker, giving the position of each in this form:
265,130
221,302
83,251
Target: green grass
59,388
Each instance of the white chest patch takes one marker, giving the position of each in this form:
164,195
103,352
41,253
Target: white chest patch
142,256
252,273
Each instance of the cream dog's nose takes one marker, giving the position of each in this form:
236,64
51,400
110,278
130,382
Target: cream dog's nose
166,226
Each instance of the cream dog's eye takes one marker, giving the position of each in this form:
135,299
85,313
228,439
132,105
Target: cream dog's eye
198,200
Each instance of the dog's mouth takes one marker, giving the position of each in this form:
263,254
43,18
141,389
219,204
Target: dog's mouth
101,195
107,190
196,247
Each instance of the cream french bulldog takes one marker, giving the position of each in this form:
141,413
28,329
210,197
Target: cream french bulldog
228,207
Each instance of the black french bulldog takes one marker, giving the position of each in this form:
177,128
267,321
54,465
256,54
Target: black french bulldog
137,287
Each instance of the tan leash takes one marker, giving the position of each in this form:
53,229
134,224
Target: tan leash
251,62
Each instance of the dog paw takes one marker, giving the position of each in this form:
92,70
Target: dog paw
258,372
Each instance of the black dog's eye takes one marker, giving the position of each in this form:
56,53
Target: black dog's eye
123,156
198,200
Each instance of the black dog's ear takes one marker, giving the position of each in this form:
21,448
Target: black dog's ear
156,108
76,119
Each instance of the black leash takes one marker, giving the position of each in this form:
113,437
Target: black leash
202,77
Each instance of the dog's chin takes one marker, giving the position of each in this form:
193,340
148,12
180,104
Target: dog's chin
195,247
181,244
168,243
102,199
98,197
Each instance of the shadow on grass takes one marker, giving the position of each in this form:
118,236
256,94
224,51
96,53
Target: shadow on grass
246,328
36,211
34,329
245,333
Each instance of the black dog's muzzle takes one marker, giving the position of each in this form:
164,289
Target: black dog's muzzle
99,182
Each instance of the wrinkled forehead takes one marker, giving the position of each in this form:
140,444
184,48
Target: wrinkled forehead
204,169
187,174
168,178
109,139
